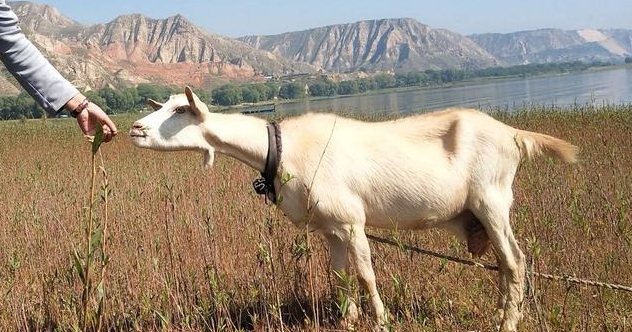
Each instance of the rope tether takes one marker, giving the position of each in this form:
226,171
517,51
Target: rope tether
495,268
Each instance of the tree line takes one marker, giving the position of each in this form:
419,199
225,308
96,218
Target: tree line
323,86
134,99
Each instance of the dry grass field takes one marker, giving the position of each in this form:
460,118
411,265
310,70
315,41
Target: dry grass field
188,249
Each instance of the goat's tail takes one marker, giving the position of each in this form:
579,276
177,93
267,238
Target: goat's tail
533,144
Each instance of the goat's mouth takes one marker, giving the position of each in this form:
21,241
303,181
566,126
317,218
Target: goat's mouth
137,133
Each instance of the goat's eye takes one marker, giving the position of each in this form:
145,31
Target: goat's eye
180,109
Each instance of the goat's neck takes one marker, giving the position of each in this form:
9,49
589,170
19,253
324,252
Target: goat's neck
242,137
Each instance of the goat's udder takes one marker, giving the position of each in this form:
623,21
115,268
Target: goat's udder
477,239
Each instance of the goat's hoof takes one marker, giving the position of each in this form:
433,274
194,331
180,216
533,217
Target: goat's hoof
380,328
504,328
507,325
382,324
345,324
349,320
499,315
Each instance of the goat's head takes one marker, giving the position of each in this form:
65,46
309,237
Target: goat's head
175,125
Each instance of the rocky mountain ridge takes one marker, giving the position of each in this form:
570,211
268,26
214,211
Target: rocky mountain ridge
555,45
399,45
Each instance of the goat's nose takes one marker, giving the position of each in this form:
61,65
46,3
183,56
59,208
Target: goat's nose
137,125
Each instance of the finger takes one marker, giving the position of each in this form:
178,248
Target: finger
107,134
110,124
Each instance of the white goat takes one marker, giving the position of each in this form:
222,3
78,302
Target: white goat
452,169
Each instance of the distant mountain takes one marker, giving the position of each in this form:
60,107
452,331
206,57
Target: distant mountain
399,45
555,45
133,49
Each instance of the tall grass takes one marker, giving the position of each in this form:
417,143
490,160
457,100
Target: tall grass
196,250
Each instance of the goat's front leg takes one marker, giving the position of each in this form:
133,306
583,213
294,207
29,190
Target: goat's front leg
361,253
338,250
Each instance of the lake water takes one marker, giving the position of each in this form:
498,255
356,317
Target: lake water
612,86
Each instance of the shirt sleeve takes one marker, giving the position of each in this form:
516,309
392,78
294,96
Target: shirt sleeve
27,64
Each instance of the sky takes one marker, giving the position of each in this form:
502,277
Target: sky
236,18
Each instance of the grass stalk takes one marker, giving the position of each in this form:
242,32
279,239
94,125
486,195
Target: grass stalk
104,253
87,271
95,239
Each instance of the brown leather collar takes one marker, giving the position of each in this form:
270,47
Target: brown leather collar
265,185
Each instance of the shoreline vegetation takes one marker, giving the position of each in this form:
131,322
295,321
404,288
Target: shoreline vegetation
438,85
190,249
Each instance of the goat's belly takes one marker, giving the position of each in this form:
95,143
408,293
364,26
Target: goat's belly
414,214
407,224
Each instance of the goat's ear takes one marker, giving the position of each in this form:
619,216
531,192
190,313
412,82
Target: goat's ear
196,104
154,104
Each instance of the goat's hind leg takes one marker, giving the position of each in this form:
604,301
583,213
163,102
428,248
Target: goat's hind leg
511,285
493,212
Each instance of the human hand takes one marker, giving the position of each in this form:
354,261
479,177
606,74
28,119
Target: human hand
93,116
